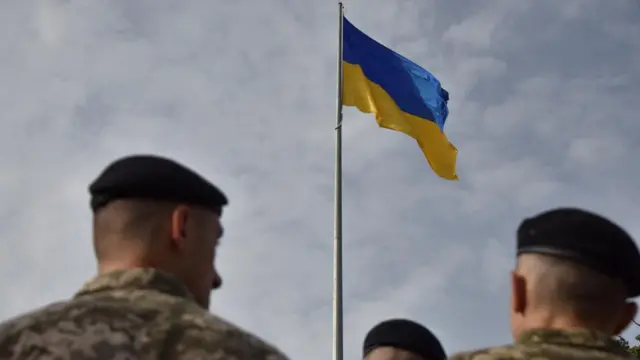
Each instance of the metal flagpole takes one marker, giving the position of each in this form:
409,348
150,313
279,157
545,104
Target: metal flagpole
337,221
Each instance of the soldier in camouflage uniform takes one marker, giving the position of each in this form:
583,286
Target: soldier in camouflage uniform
570,291
156,229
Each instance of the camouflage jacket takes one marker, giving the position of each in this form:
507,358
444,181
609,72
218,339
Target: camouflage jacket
133,314
553,345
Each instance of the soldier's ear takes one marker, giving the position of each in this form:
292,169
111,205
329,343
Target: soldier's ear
630,310
179,219
518,293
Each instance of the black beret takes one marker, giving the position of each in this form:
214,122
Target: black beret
406,335
154,178
584,238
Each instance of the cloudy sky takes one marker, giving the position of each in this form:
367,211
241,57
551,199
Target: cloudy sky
544,104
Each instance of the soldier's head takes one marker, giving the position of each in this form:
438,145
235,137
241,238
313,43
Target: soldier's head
575,270
400,339
151,212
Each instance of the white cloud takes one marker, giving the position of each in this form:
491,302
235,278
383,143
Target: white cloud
543,110
597,152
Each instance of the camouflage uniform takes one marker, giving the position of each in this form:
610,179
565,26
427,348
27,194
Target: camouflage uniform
554,345
131,314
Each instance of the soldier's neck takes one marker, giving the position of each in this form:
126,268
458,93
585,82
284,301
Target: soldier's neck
557,322
105,267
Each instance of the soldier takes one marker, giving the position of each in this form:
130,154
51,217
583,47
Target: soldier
570,290
400,339
156,228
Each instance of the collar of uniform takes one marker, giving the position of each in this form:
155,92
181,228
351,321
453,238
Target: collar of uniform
141,279
567,337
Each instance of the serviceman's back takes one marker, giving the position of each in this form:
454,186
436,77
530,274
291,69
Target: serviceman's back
131,314
156,230
553,345
571,289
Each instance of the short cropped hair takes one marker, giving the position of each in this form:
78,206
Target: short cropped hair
133,220
573,288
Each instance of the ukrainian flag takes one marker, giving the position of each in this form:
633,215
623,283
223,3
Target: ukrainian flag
402,95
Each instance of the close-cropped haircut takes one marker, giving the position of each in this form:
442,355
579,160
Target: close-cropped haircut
133,220
573,288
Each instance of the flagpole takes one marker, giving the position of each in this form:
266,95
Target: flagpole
337,221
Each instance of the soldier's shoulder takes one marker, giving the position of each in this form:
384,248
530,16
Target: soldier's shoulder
504,352
205,333
79,307
46,313
539,351
13,330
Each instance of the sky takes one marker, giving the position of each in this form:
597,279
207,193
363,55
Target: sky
544,104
